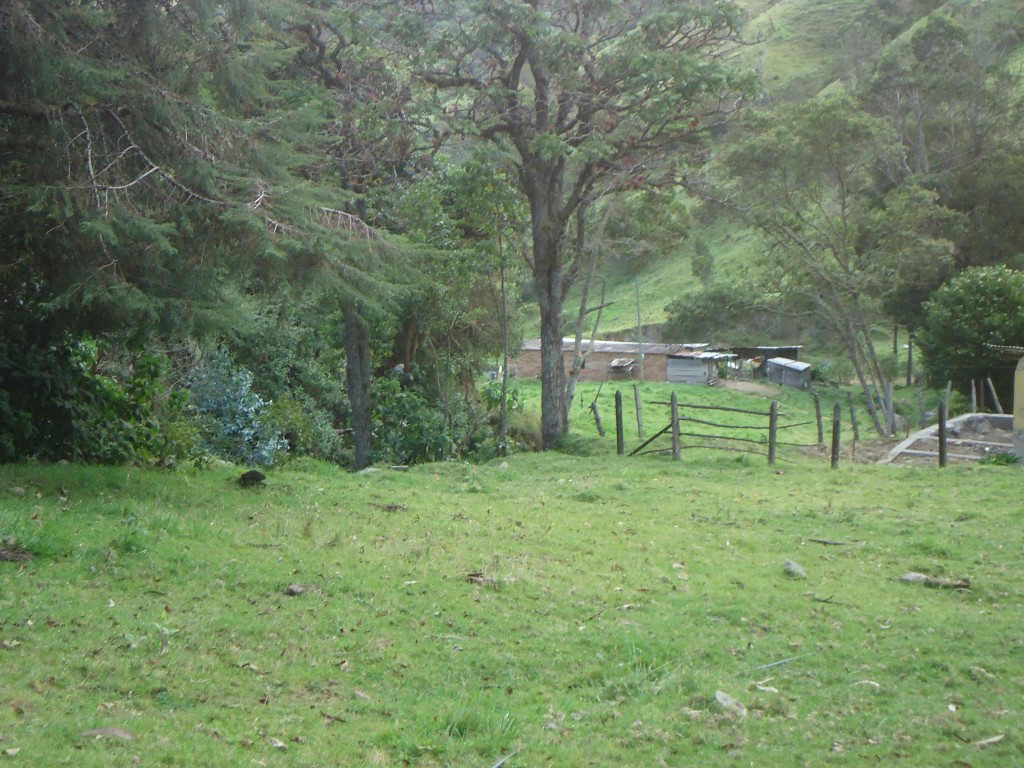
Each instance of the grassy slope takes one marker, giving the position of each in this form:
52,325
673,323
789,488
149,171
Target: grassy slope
580,610
663,282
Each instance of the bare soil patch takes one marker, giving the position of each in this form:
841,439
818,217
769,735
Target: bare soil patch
753,387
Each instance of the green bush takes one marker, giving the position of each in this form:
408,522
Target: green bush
979,307
406,429
230,415
57,402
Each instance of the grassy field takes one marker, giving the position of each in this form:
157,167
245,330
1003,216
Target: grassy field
558,610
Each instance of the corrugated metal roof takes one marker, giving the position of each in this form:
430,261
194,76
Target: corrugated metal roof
793,365
1007,350
698,355
619,347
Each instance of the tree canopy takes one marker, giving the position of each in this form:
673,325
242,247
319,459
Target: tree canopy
980,308
321,202
585,99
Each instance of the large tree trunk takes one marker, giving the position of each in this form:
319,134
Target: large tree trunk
543,185
358,370
554,418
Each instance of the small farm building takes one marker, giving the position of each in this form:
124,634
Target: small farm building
626,359
788,373
695,366
752,362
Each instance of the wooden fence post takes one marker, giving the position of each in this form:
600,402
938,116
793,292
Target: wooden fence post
817,417
676,449
890,415
837,423
995,397
773,428
942,434
853,418
620,437
974,398
639,411
597,418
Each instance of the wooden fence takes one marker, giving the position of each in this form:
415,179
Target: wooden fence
696,425
693,425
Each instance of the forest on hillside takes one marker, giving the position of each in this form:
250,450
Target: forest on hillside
261,229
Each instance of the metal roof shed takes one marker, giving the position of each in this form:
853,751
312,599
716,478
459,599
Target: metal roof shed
695,367
788,373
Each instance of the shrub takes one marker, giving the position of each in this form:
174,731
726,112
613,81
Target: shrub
406,429
57,403
230,415
979,307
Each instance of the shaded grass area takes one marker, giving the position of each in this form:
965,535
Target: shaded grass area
573,611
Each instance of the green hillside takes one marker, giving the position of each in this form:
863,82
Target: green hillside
806,50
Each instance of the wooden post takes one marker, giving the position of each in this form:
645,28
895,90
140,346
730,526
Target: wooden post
974,398
890,416
597,418
910,359
773,428
837,423
1018,408
853,418
639,411
995,397
942,434
817,416
620,437
676,450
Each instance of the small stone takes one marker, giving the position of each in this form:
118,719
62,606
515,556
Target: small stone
729,704
794,570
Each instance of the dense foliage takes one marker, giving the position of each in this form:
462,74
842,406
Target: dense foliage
980,308
190,175
313,196
869,200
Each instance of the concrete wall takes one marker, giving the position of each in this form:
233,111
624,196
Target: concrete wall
1018,409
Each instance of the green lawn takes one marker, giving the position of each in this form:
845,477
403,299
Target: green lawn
569,610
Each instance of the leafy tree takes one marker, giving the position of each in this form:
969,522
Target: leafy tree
635,229
811,179
167,166
956,105
981,306
702,262
584,99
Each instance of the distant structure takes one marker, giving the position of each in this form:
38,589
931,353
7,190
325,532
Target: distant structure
1018,394
788,373
682,363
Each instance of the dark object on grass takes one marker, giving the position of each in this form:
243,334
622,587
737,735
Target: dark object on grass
251,478
11,552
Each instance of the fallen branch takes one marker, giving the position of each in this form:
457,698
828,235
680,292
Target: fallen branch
989,741
781,662
830,543
505,759
828,599
936,582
